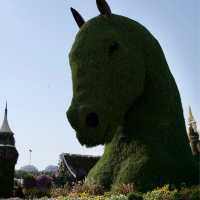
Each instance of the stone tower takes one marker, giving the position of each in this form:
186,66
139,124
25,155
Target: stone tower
8,158
193,134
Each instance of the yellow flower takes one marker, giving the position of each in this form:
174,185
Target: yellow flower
107,194
98,198
83,195
60,198
73,194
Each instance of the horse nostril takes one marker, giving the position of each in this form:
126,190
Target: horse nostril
92,120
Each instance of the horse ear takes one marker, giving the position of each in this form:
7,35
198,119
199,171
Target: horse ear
78,18
104,8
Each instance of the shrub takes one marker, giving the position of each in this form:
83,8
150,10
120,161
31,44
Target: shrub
134,196
31,193
20,174
62,191
161,194
29,182
92,189
44,181
125,188
37,187
60,181
44,184
192,193
165,193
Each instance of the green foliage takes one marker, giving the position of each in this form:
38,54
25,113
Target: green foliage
20,174
134,196
164,193
44,183
124,188
36,187
60,191
124,96
192,193
35,193
29,182
60,181
89,188
31,193
161,194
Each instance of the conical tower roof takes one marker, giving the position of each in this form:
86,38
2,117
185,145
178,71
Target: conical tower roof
5,128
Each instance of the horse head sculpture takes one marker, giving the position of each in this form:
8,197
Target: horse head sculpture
125,97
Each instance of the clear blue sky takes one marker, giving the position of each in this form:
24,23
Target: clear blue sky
35,78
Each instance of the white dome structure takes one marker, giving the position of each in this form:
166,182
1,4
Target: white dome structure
29,168
51,169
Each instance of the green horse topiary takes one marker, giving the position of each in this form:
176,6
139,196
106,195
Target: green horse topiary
125,97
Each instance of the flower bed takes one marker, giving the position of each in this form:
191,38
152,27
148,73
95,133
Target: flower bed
163,193
126,192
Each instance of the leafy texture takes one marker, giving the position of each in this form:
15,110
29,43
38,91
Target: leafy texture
124,96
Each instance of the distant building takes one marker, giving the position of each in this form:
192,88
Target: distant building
76,167
193,134
8,158
51,169
29,169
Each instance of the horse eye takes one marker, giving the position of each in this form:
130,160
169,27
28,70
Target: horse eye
113,47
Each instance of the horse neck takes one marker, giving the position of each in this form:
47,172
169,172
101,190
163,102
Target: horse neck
157,116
